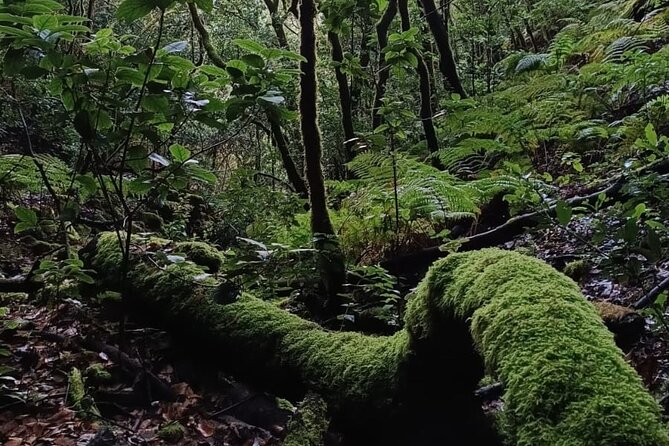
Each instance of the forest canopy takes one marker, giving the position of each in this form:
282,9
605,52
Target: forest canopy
334,222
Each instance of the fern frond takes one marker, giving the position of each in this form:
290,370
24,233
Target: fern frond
532,62
627,44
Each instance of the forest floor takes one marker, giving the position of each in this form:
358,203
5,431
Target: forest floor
159,382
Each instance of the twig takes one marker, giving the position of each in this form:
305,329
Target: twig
649,298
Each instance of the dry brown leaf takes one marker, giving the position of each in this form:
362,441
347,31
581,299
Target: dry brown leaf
206,428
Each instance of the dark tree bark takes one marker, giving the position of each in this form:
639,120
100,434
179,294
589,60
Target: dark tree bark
384,70
281,143
331,259
345,101
439,29
425,87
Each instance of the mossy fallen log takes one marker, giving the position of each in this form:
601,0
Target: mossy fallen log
524,323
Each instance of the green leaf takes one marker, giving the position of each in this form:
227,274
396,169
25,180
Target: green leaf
563,212
11,18
22,226
26,215
45,22
205,5
254,60
180,154
84,125
15,32
250,45
89,183
130,10
70,212
651,134
156,103
14,61
130,75
84,278
137,158
201,174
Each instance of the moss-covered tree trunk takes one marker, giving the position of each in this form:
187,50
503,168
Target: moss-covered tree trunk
331,258
514,317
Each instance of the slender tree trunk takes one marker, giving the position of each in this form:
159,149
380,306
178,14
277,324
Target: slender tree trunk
439,29
344,96
292,172
384,69
357,84
277,24
425,88
331,259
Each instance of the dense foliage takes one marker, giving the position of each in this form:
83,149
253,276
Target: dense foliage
331,150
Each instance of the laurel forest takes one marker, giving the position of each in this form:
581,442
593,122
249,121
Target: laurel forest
334,222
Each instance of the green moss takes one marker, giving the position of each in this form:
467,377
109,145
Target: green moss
76,389
152,221
309,424
284,404
77,396
566,382
577,269
202,254
97,373
171,432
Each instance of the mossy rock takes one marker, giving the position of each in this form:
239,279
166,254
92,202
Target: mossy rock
202,254
97,374
577,269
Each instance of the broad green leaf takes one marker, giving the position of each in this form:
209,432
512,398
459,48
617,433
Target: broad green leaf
130,10
89,183
180,154
44,22
137,158
250,45
563,212
155,103
22,226
651,134
26,215
201,174
254,60
205,5
11,18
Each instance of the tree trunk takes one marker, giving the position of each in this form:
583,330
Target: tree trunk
293,174
277,24
425,88
344,96
439,29
382,28
332,266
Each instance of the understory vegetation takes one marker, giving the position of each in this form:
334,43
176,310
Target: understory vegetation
334,222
